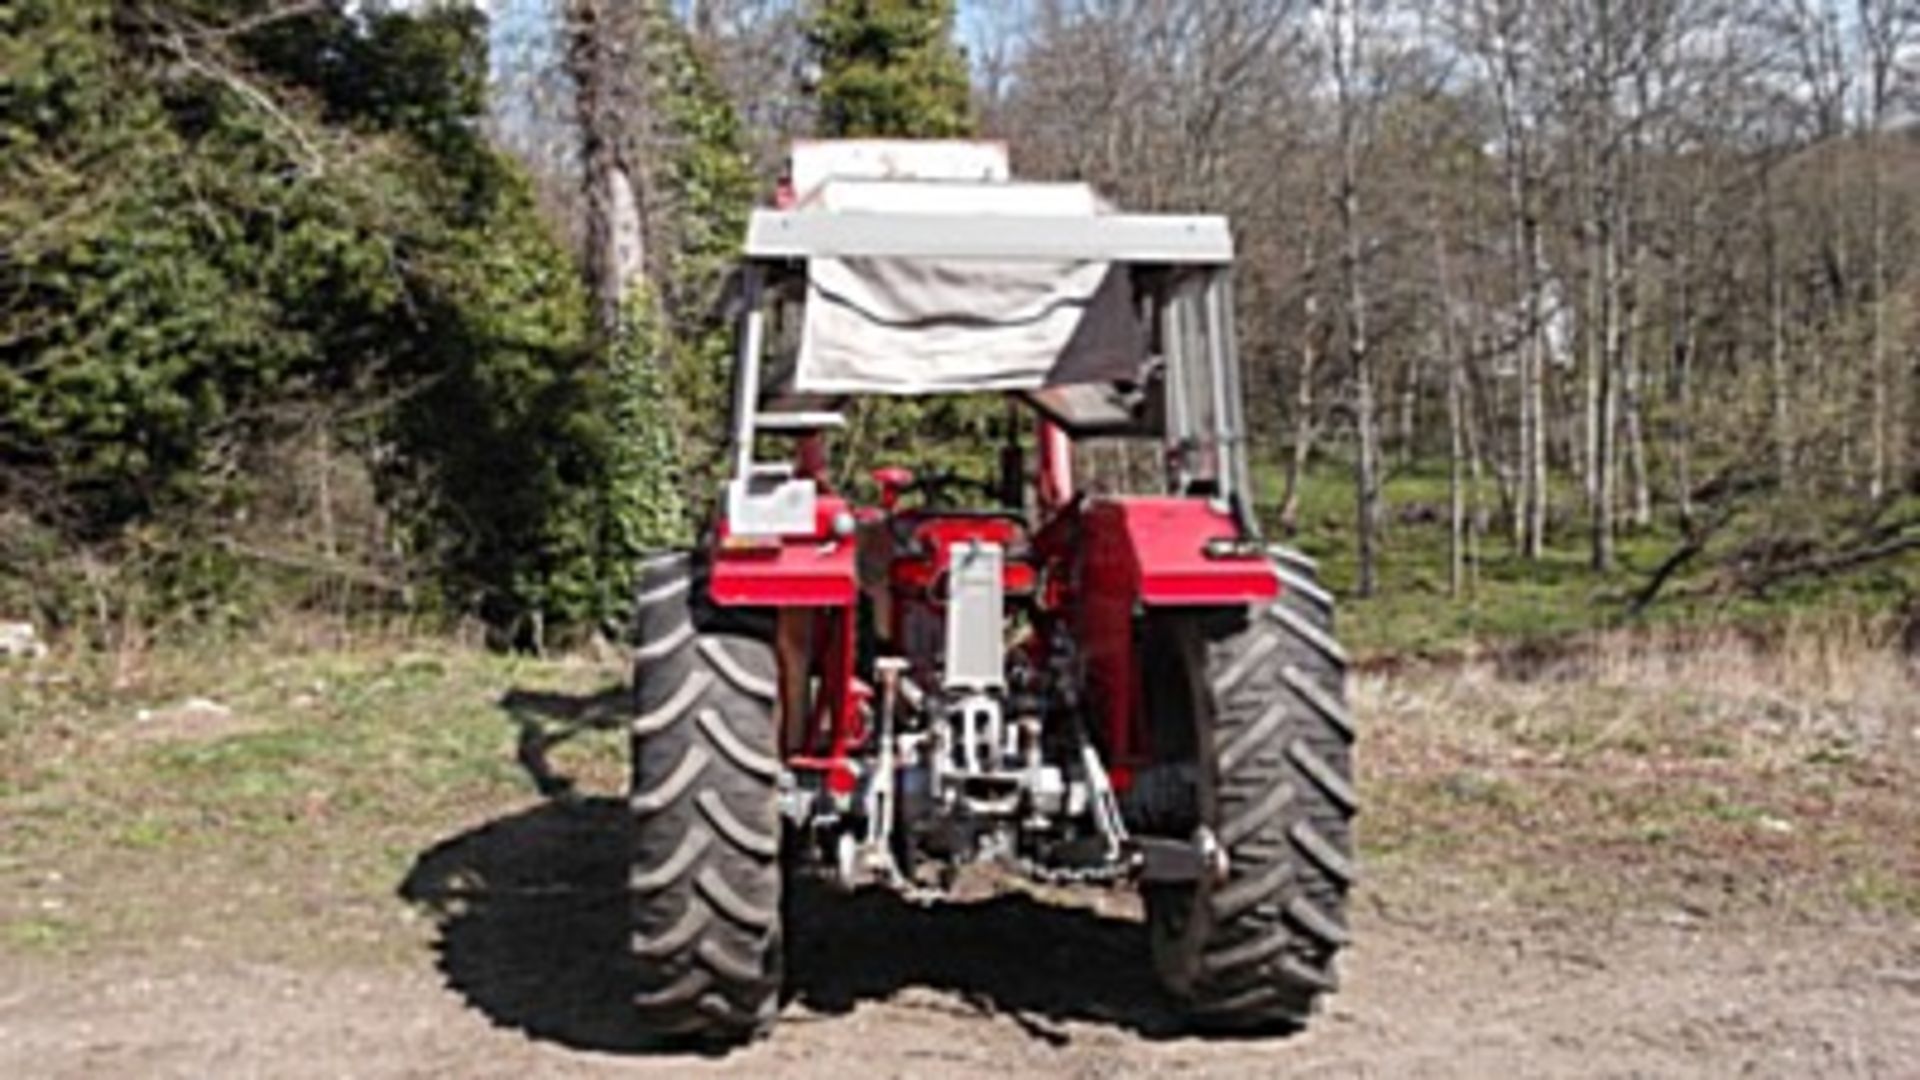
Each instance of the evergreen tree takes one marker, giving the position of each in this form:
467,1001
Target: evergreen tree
706,185
890,68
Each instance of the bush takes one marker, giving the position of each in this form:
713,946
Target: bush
212,245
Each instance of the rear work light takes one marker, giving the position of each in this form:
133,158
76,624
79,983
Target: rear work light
1227,547
748,545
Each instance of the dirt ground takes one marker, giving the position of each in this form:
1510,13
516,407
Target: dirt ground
515,979
1644,867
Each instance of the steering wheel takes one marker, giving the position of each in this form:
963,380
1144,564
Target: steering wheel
934,489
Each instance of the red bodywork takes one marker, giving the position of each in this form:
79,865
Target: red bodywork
794,571
813,582
1154,550
916,572
1095,564
1136,553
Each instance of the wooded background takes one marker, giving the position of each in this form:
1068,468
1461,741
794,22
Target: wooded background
1611,305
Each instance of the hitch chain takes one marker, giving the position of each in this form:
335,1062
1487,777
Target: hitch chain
1146,860
1105,874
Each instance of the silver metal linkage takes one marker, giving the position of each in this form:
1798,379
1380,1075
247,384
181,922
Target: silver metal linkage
746,390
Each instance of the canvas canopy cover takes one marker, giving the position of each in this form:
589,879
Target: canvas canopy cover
895,325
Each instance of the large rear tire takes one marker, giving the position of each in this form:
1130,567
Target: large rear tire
705,886
1262,712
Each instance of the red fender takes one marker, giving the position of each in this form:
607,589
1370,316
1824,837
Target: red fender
788,571
1154,550
1138,553
814,581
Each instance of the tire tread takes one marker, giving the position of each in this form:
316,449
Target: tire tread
1258,950
705,886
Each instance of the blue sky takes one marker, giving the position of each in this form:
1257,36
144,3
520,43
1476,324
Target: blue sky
517,22
980,18
525,44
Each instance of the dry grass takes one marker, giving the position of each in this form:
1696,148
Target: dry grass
1680,774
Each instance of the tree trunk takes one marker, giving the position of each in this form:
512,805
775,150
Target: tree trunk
1603,375
1517,483
1878,372
1604,397
1450,363
1593,342
1777,374
1522,502
1632,398
1456,481
704,18
1476,472
1410,409
615,227
1304,425
1367,474
1683,344
1536,456
1345,26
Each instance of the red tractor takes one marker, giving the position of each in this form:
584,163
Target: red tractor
1022,670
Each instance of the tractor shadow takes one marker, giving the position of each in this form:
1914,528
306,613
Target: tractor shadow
530,911
544,720
531,917
1041,964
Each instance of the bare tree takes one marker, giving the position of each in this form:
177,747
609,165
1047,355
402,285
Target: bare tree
601,46
1886,33
1500,35
1345,25
1678,234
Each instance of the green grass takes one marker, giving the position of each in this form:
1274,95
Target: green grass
1876,889
284,836
340,768
38,933
1510,599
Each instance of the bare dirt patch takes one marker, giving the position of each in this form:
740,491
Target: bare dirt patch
1013,989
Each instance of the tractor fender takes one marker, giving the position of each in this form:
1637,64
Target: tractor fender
792,571
1153,550
1139,554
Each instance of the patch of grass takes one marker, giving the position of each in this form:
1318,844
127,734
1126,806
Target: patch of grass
1512,600
40,933
144,834
1716,775
343,766
1876,889
1648,779
1720,808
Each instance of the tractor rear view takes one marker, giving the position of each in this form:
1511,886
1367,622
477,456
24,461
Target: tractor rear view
1072,683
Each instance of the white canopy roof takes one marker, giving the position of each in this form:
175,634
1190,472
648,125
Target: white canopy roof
921,287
